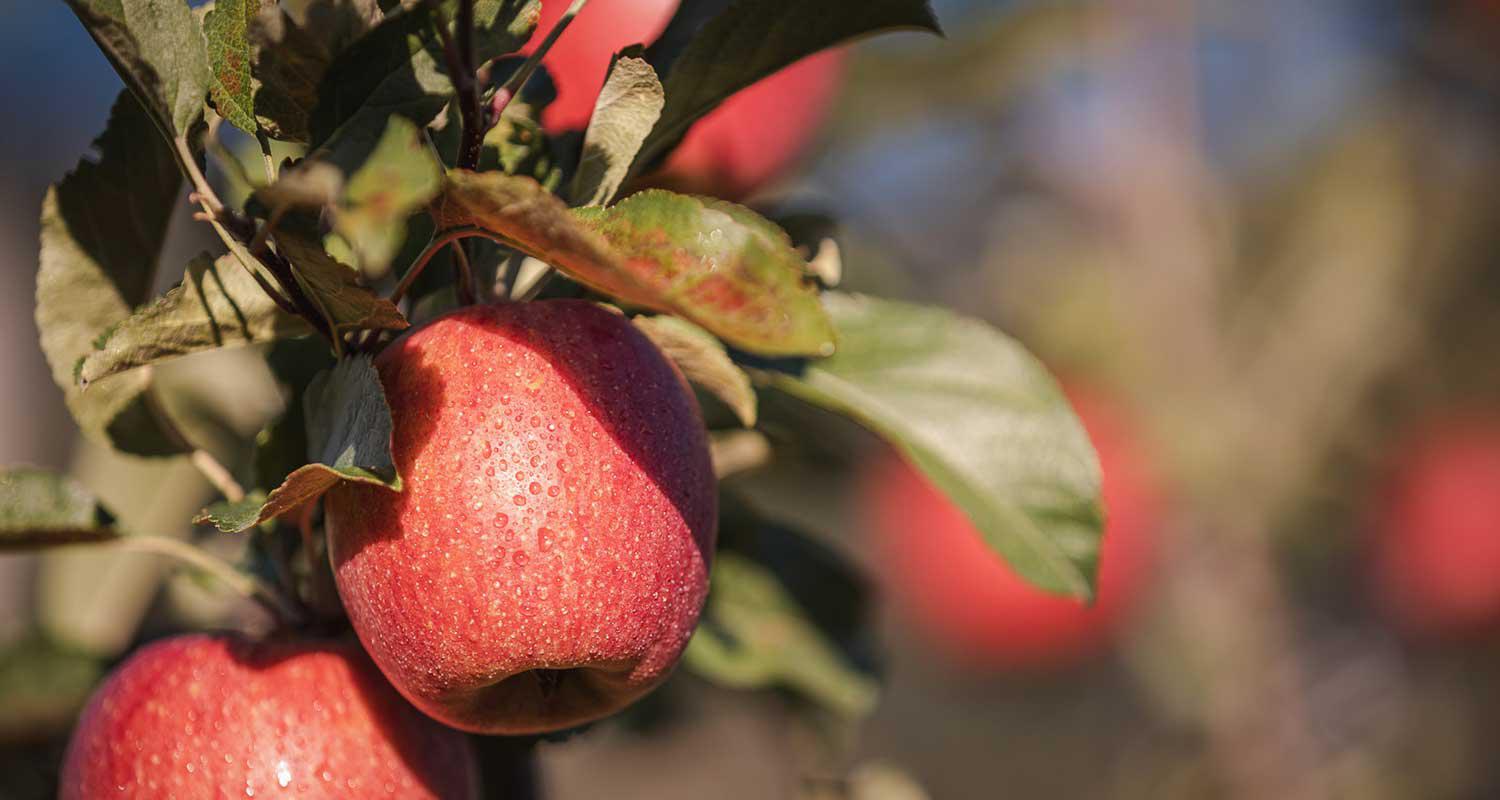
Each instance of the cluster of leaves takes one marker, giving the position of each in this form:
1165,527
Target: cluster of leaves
420,178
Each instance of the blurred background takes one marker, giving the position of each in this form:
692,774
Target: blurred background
1257,241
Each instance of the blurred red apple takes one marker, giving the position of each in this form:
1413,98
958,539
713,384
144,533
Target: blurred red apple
969,602
222,716
1437,548
548,558
749,141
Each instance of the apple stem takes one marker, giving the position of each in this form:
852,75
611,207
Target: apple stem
513,84
200,559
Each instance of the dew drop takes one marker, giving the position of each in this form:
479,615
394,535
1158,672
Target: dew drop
544,539
536,488
519,499
520,558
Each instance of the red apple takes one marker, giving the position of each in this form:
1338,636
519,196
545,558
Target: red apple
749,141
548,558
1436,559
222,716
969,602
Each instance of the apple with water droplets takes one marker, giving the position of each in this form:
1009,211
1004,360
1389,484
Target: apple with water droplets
548,557
223,716
967,602
754,138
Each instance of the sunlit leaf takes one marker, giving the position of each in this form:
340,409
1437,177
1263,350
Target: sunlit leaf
226,28
218,304
102,232
627,108
157,48
400,177
980,417
713,263
42,509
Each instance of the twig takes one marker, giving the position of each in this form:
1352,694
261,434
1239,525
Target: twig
459,54
196,557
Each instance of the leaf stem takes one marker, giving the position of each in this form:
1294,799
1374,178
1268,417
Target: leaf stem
267,160
465,286
218,475
200,559
438,242
518,78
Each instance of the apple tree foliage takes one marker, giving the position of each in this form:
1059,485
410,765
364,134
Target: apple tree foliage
406,172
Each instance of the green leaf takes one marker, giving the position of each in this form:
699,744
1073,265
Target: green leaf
400,178
291,52
755,38
720,265
157,48
627,108
349,438
713,263
102,232
704,361
42,509
218,304
335,288
397,69
230,57
980,417
756,636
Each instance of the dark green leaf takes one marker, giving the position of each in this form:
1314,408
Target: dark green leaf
292,50
704,361
349,437
41,509
102,233
336,290
980,417
397,69
158,49
627,108
218,304
755,38
713,263
756,636
230,57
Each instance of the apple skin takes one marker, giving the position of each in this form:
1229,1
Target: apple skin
1436,551
548,558
968,603
223,716
740,147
